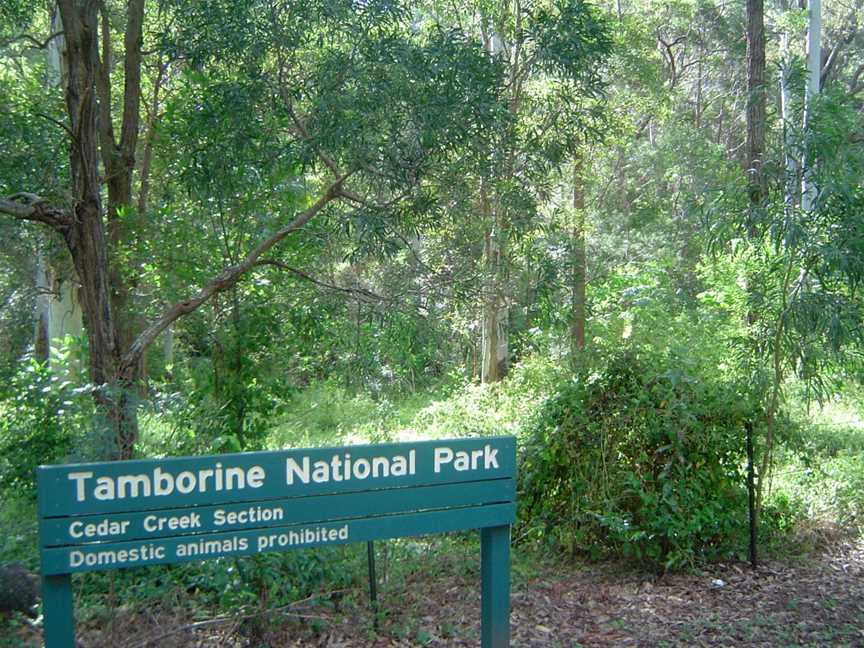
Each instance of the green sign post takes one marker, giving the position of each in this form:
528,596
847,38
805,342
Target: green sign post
121,514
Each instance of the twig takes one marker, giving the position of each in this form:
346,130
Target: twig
237,617
35,42
56,122
362,292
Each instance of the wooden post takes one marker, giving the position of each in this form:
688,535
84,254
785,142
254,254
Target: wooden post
495,575
58,614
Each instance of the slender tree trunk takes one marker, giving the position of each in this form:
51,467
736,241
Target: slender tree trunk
755,151
786,119
58,312
814,75
577,280
42,335
490,366
756,97
496,315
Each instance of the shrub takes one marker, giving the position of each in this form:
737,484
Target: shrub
641,458
38,418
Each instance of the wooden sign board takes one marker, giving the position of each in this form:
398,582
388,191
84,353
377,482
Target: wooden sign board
102,516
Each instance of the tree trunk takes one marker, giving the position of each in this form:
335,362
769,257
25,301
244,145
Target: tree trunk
755,109
814,75
577,278
755,150
85,236
789,181
58,312
494,349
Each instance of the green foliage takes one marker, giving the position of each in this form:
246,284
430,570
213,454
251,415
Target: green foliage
801,267
327,413
491,409
40,417
18,521
641,457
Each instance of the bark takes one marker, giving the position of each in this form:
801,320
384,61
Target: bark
814,62
577,279
756,99
42,336
755,145
118,158
786,117
57,310
495,350
490,367
86,237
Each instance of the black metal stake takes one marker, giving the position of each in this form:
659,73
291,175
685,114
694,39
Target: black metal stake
373,583
751,494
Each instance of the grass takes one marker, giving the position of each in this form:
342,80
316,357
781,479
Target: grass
817,489
328,414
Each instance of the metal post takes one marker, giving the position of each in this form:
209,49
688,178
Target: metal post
373,582
58,614
495,597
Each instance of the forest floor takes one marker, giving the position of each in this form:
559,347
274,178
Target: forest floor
818,601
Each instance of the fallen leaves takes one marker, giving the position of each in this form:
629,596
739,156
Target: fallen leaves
820,603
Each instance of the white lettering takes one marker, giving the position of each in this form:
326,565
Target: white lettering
255,477
442,456
104,489
185,482
79,478
490,459
294,469
362,468
133,481
163,478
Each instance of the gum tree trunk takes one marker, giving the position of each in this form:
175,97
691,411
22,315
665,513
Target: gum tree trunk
577,278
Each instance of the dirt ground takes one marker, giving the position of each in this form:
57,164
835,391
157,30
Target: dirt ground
818,602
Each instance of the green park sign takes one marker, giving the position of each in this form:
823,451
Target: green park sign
122,514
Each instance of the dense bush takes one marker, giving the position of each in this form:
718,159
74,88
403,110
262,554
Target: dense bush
640,458
39,419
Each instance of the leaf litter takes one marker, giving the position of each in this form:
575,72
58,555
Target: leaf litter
817,602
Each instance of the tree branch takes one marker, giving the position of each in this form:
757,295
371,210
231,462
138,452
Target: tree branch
36,43
361,292
301,130
360,200
223,281
30,207
56,122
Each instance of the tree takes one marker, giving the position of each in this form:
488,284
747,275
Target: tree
756,102
360,152
553,55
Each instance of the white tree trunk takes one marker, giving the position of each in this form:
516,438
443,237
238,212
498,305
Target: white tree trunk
786,118
58,313
495,315
56,49
814,71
